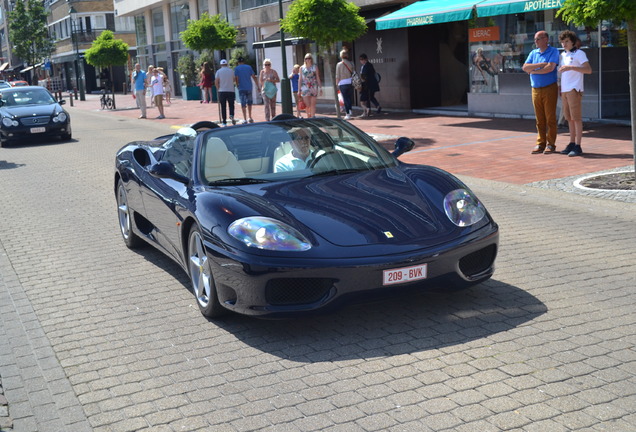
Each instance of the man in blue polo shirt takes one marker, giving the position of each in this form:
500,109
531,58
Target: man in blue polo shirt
138,79
245,75
541,65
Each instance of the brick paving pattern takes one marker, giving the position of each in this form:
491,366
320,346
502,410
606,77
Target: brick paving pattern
97,337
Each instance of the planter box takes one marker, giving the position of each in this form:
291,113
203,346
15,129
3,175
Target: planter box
191,93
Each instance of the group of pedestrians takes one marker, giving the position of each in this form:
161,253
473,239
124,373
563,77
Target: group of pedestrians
368,78
552,75
158,83
305,80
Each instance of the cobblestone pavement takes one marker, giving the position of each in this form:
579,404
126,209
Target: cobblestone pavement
96,337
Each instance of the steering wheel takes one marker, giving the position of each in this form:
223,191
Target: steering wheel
318,158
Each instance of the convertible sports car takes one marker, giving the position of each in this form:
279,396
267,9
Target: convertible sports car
294,215
30,111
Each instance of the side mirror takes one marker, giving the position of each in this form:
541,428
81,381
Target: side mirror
61,102
403,145
2,102
166,170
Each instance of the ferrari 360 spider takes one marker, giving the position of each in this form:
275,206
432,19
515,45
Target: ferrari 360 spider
294,215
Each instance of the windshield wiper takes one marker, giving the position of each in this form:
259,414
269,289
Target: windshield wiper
237,181
338,172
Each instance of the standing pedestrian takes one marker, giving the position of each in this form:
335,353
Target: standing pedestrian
369,86
207,78
574,64
139,87
151,68
156,82
309,85
167,89
293,77
267,79
225,81
541,65
245,75
344,70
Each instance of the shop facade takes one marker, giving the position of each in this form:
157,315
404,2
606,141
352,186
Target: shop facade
466,54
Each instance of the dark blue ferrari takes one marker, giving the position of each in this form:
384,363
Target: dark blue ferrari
294,215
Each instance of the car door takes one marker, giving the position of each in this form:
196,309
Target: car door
165,199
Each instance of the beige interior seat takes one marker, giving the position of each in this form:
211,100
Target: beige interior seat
282,150
219,162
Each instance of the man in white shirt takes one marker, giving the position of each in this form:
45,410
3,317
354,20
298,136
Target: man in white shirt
300,155
574,65
156,82
225,81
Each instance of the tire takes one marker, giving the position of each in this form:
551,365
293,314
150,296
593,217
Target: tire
131,239
201,277
109,103
103,103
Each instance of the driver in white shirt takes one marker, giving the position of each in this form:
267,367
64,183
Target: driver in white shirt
300,154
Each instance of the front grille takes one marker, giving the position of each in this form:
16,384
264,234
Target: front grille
478,261
297,290
35,121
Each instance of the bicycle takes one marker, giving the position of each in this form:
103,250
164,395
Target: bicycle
106,101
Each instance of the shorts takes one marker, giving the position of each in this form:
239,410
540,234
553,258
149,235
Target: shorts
572,102
158,99
246,97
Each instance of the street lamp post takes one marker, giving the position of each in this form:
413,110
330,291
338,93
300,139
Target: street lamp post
285,85
79,67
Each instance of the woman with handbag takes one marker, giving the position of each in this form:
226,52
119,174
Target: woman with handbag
267,80
344,71
309,83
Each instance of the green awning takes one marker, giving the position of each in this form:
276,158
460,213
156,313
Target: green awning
506,7
427,12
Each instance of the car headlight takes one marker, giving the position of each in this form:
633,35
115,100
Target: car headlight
463,208
60,117
9,122
266,233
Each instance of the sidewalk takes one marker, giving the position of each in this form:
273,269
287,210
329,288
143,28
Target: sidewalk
486,148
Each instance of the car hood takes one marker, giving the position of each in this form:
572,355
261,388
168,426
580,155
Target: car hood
30,110
389,206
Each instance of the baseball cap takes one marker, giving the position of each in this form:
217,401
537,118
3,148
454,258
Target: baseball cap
223,62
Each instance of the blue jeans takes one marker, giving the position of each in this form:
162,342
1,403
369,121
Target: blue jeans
347,95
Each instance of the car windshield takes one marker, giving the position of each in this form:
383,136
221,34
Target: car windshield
19,97
287,149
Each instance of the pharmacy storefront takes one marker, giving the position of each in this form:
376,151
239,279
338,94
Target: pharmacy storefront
497,36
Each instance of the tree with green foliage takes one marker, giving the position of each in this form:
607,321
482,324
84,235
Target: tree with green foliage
106,51
325,22
210,32
590,13
29,33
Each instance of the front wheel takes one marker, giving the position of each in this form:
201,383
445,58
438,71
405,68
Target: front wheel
125,221
201,276
109,103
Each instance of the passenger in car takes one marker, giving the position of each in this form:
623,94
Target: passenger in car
300,154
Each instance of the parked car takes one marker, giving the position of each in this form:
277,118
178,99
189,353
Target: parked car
295,215
18,83
31,111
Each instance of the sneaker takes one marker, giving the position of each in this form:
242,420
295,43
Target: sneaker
347,117
576,151
233,121
568,149
224,124
250,120
549,149
379,110
160,117
142,116
538,149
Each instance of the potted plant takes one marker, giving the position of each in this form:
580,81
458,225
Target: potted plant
187,70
